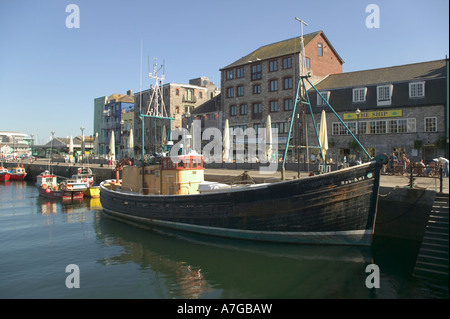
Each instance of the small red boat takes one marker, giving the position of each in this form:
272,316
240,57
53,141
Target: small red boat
18,173
4,174
48,186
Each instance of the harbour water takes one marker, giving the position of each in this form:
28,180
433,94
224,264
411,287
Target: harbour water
40,237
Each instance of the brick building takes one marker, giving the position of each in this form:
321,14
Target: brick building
265,82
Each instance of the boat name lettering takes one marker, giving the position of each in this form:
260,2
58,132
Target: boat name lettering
353,180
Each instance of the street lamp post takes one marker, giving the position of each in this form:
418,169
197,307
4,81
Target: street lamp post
51,149
32,144
82,143
120,148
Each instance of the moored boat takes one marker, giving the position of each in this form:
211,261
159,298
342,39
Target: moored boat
48,186
84,175
332,208
18,173
4,174
336,207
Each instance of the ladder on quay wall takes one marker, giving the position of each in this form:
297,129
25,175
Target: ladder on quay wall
432,261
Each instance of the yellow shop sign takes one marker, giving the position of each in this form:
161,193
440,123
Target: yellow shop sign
373,114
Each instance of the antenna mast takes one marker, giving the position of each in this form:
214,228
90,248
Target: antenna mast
303,64
156,105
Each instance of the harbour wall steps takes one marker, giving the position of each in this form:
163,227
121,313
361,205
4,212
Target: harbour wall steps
433,257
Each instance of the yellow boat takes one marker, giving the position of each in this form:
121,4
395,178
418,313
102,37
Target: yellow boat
92,191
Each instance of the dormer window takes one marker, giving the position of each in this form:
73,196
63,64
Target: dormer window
326,96
416,89
384,94
359,95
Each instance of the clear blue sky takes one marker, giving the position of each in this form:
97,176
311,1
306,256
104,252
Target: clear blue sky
50,74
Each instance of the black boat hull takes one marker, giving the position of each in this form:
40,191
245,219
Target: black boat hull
334,208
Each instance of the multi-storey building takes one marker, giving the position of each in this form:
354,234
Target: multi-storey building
401,109
265,82
15,143
99,108
115,105
177,102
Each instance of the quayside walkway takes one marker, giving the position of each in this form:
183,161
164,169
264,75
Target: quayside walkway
221,174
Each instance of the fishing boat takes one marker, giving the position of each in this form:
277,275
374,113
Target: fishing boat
18,173
48,186
84,175
337,207
4,174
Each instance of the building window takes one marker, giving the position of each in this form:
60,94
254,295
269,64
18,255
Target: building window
362,127
177,92
287,63
233,110
240,73
384,93
229,74
326,96
257,89
273,66
273,106
238,129
243,109
431,124
416,89
287,83
282,127
273,85
377,127
320,49
230,92
288,105
256,72
359,95
308,63
200,94
257,108
411,125
240,90
189,95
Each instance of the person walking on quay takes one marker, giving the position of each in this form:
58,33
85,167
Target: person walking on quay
392,162
444,162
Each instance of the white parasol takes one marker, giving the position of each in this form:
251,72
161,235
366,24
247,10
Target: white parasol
226,142
323,135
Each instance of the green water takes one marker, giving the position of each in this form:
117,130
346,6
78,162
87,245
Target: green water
41,237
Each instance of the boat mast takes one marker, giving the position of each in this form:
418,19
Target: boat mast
155,109
298,96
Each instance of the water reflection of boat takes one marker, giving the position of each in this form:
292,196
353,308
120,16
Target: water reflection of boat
193,266
94,202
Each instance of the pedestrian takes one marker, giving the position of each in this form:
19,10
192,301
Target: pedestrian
392,162
444,162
